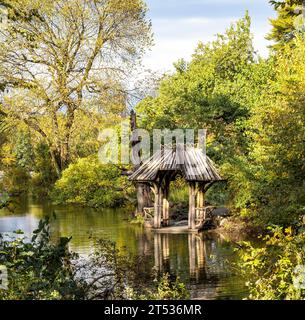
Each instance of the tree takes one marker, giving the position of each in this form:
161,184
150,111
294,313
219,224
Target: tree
275,269
288,22
277,155
23,150
214,91
88,182
63,58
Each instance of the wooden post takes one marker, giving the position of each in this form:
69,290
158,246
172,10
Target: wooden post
201,199
160,212
157,251
192,206
166,203
158,206
165,247
197,206
200,253
165,211
192,254
157,222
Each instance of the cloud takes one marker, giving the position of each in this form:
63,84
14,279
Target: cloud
179,25
178,38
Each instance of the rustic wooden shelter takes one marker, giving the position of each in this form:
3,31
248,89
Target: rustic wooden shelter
163,167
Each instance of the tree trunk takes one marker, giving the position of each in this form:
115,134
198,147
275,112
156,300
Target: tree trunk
56,161
65,144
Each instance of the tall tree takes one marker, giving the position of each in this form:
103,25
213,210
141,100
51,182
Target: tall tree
277,159
211,91
60,58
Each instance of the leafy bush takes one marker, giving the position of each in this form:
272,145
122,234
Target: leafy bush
15,180
166,287
138,219
276,269
38,269
169,289
4,200
87,182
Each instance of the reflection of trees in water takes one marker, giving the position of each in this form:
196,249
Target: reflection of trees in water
85,225
204,255
202,261
174,252
197,257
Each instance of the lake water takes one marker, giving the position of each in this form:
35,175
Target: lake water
203,261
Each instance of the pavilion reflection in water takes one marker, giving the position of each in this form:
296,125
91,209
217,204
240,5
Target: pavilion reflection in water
198,247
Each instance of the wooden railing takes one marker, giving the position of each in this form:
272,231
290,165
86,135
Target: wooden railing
202,214
149,213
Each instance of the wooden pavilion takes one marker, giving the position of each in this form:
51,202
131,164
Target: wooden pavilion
163,167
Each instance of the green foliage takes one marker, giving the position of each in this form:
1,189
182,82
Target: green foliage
274,179
4,200
218,194
254,113
288,23
275,270
44,175
15,180
179,192
38,269
206,93
23,151
17,161
169,289
138,219
87,182
166,287
215,91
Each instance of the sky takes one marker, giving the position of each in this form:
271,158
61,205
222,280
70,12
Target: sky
178,26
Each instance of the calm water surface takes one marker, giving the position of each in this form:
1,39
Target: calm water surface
202,261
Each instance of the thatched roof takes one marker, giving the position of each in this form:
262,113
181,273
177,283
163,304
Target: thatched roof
190,162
